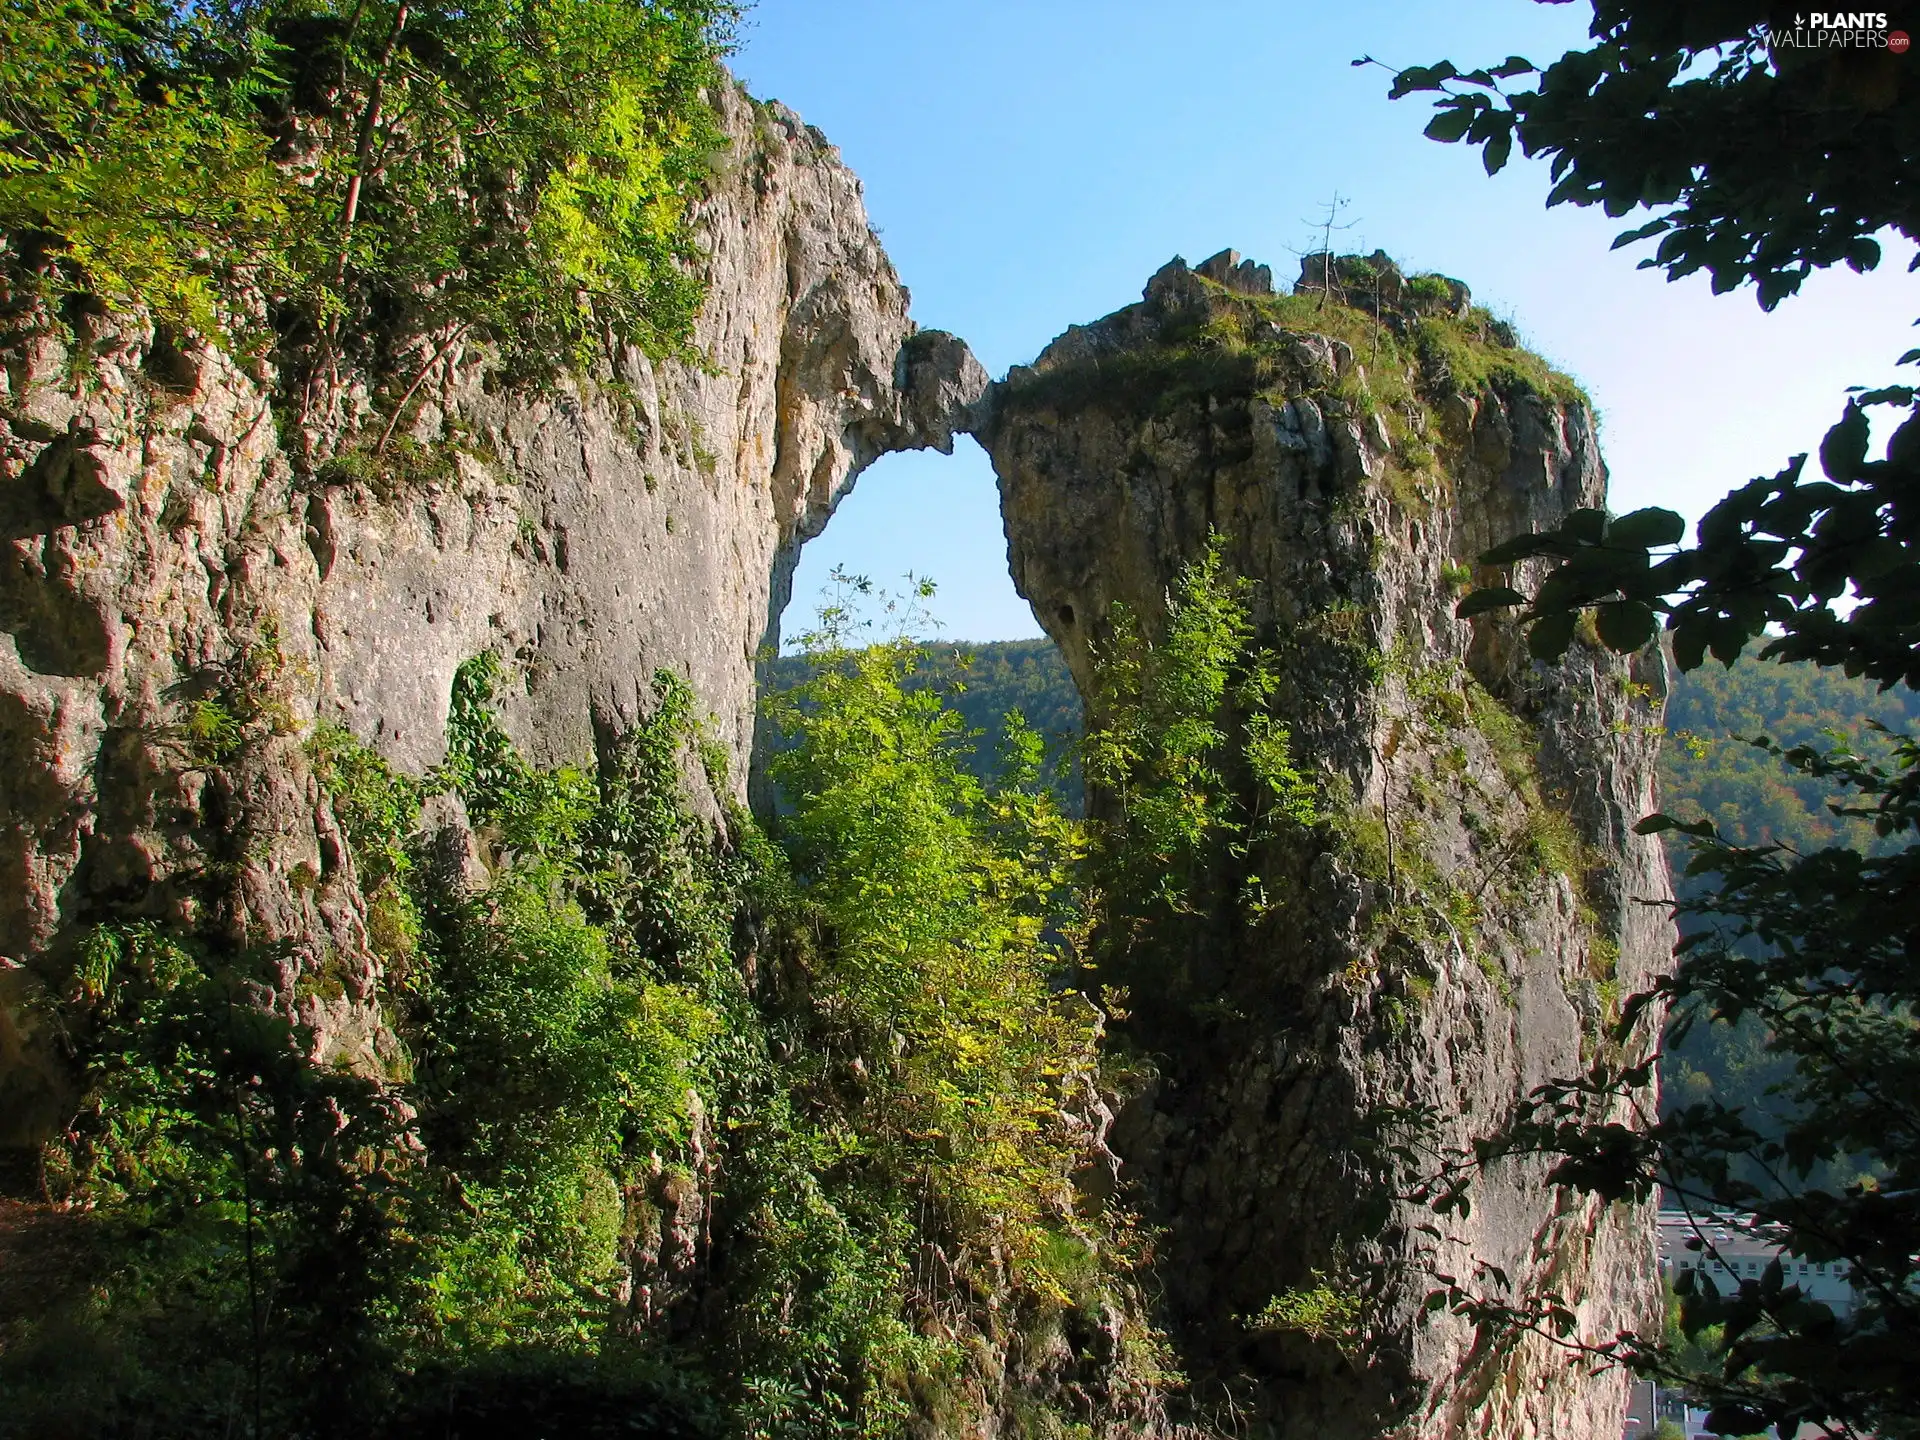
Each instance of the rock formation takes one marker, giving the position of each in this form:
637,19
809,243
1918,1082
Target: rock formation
183,601
1469,929
163,551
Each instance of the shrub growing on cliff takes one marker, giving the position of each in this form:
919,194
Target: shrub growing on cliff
283,1240
517,171
126,146
885,1126
1193,772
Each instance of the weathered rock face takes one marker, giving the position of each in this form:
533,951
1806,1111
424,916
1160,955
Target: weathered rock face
1460,926
160,552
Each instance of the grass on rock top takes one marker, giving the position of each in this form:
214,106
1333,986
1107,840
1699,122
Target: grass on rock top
1242,347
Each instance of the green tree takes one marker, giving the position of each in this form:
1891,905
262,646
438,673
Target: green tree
989,684
1762,159
518,172
1761,162
1193,770
952,909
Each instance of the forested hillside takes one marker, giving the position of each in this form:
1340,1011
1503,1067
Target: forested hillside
986,683
1705,768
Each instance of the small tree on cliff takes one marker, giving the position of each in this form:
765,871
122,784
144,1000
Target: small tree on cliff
374,172
1762,154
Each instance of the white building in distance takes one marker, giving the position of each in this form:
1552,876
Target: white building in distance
1728,1254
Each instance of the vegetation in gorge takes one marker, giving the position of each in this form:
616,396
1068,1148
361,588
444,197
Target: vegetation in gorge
942,988
1706,769
363,170
1811,948
1754,798
885,1108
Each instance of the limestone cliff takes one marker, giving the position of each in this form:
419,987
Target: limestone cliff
187,594
1464,920
163,548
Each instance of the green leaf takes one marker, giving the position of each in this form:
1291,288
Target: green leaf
1550,635
1660,824
1886,395
1421,77
1494,157
1521,547
1647,528
1640,232
1624,625
1452,123
1727,638
1493,597
1844,449
1585,525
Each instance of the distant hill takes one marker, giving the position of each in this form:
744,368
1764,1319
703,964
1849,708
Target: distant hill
989,680
1704,769
984,682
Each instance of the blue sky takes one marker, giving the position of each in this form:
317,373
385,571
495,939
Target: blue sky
1029,163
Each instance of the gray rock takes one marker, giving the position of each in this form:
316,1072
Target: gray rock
449,846
1244,277
1247,1147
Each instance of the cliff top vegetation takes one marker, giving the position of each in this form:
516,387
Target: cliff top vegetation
1415,338
318,177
